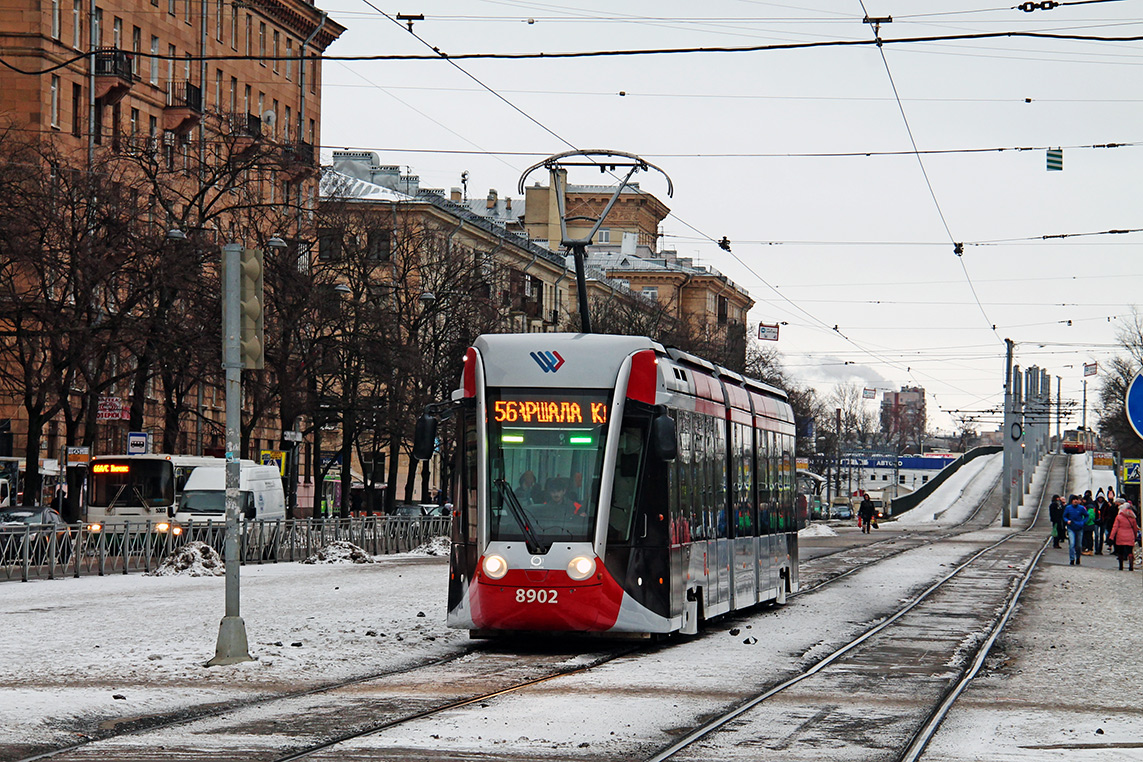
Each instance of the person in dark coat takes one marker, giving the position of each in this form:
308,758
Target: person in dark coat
1075,516
1056,516
1104,518
867,511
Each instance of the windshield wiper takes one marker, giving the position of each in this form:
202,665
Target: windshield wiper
521,517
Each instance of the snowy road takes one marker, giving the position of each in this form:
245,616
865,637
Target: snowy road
112,649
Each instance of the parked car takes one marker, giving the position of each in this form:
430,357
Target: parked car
842,512
33,526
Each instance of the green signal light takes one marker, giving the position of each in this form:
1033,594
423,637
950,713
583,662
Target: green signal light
512,438
580,440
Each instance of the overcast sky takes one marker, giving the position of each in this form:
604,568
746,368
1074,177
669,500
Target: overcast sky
853,254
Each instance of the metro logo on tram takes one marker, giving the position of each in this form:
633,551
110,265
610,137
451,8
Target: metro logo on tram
549,362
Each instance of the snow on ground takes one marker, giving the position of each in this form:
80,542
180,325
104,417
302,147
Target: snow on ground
195,559
954,500
340,552
83,642
817,530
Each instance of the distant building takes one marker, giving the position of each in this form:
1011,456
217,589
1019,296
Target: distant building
903,416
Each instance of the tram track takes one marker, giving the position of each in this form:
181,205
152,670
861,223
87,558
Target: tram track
155,738
803,700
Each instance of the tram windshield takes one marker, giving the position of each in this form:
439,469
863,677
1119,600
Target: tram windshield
545,458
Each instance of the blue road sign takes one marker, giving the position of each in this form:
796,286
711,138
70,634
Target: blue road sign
1133,404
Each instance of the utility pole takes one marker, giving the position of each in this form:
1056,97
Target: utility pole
1009,474
232,646
1059,415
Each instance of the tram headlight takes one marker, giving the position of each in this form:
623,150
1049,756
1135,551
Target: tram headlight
95,528
162,527
495,567
581,567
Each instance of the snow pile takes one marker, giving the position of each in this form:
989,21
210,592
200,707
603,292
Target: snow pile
195,559
817,530
953,501
438,546
340,552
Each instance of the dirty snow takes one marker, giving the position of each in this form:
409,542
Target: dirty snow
340,552
195,559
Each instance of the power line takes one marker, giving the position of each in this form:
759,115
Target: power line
440,55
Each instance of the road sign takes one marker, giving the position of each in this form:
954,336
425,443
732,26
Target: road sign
136,442
1090,368
1131,471
1133,404
1055,159
767,332
274,458
292,436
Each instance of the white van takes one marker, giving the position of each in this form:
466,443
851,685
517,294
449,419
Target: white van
203,498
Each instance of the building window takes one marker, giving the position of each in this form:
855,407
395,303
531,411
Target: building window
171,63
286,122
723,310
55,101
246,99
651,292
289,58
274,126
218,9
329,244
187,10
233,27
137,48
97,29
55,19
249,32
171,7
233,95
134,122
117,33
154,60
153,126
218,89
603,235
277,48
77,24
313,127
378,242
262,43
76,109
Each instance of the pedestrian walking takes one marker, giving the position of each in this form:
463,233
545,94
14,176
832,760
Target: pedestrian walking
866,513
1056,516
1104,518
1125,533
1075,516
1089,524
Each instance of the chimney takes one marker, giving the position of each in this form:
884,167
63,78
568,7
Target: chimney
454,194
491,203
508,204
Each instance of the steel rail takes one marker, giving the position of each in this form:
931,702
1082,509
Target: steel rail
722,720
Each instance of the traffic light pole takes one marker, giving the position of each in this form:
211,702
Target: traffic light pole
232,646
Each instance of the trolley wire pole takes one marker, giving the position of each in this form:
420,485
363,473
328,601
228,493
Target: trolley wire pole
607,162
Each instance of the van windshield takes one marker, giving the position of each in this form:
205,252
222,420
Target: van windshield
212,501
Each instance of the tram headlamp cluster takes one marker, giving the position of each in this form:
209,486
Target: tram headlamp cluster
495,566
581,567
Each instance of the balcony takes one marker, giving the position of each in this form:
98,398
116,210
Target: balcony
113,75
245,131
183,111
299,160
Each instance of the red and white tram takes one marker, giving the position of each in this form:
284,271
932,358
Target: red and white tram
607,484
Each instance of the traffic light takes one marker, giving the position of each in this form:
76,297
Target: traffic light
251,340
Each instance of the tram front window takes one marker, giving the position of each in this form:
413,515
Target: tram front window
545,456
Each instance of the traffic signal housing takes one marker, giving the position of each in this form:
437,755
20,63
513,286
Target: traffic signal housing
252,339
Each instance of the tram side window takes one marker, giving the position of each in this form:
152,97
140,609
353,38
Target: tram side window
743,473
684,468
718,475
677,521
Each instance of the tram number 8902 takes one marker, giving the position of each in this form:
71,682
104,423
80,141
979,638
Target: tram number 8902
536,596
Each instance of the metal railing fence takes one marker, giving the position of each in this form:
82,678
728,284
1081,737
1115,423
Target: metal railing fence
56,551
